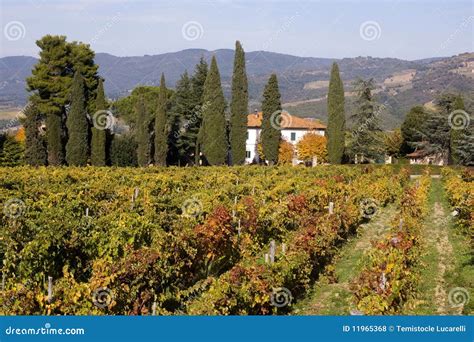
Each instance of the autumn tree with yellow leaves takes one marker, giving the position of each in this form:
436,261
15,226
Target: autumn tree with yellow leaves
286,152
312,145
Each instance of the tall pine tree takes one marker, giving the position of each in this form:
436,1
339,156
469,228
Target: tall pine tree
161,119
271,108
77,125
366,141
35,149
336,117
213,135
239,107
142,134
99,134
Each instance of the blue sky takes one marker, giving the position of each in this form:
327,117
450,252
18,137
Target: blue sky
384,28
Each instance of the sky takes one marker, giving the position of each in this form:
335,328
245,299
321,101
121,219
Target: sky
333,29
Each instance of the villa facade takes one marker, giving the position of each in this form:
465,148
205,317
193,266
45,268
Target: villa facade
293,128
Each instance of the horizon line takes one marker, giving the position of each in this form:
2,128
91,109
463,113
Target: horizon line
260,51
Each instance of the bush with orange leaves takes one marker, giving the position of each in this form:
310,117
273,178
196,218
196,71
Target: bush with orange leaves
312,145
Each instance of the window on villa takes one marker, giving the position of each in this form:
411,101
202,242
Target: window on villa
247,135
247,154
293,136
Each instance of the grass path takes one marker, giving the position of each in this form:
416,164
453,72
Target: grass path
334,298
444,262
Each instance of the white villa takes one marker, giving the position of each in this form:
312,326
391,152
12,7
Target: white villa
293,128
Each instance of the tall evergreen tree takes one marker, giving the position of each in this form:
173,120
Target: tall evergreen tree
50,84
412,126
35,149
440,133
239,107
271,110
142,134
465,147
365,135
336,117
77,147
197,82
99,134
213,135
182,137
161,119
197,87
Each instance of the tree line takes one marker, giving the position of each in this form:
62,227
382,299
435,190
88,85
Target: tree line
68,120
187,125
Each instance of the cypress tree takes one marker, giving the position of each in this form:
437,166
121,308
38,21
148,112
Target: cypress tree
213,130
35,149
99,134
271,109
197,88
239,107
142,134
197,82
336,117
77,125
161,146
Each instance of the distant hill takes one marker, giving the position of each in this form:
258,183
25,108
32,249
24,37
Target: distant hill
303,80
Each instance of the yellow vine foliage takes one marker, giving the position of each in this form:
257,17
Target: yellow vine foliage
285,152
312,145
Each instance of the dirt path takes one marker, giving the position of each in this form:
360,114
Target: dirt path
328,298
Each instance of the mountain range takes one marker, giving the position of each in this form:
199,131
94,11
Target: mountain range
303,81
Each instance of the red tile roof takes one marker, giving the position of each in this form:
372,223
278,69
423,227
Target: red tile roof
287,121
